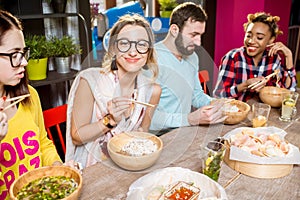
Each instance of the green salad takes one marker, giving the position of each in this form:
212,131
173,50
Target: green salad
48,188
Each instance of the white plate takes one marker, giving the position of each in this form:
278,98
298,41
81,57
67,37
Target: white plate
142,187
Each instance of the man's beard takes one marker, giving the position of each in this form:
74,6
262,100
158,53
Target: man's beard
181,48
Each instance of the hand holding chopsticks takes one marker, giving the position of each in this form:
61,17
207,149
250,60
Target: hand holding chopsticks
16,99
142,103
266,79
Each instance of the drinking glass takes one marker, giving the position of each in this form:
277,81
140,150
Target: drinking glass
261,113
288,108
212,158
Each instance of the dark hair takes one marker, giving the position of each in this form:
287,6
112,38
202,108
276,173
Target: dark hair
267,19
9,22
187,11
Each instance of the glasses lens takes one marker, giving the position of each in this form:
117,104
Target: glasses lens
123,45
16,59
142,46
26,53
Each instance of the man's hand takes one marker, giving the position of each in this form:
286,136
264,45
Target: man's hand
211,114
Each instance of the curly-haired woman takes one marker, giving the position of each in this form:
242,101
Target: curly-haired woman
260,56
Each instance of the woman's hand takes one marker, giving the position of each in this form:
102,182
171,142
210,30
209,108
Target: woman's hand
261,83
75,165
118,107
3,125
57,163
250,84
3,121
279,46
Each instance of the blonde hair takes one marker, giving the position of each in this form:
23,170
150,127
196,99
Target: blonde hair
267,19
124,20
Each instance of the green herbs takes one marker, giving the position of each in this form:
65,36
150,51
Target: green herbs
213,164
38,45
63,47
48,188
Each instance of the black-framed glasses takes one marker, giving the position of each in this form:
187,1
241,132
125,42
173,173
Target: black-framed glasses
17,57
142,46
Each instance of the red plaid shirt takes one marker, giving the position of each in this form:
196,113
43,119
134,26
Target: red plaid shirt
236,67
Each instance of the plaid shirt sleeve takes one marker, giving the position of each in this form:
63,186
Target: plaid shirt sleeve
287,73
226,85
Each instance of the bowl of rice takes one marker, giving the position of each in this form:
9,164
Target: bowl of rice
134,151
236,111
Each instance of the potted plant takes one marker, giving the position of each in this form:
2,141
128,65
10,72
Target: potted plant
166,7
37,63
63,50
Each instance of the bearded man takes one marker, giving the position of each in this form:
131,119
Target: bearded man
178,74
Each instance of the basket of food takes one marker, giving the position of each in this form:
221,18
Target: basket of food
52,182
260,152
134,150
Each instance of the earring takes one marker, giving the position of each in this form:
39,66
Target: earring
113,65
145,67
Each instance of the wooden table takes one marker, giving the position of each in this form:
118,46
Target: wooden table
182,149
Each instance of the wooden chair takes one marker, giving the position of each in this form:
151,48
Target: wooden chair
53,117
204,78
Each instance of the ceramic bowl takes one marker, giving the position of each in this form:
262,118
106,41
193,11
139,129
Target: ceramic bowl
235,117
132,162
272,95
41,172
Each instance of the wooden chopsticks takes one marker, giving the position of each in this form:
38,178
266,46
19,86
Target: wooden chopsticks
265,79
18,99
232,179
142,103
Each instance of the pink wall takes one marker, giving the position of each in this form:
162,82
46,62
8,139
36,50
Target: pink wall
232,14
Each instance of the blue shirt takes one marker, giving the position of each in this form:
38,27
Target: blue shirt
181,89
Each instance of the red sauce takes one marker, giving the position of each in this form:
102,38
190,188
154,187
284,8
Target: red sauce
181,194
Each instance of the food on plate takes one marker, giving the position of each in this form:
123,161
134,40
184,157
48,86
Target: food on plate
51,187
178,191
182,191
260,144
139,147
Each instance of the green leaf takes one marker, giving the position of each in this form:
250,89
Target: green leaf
167,4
